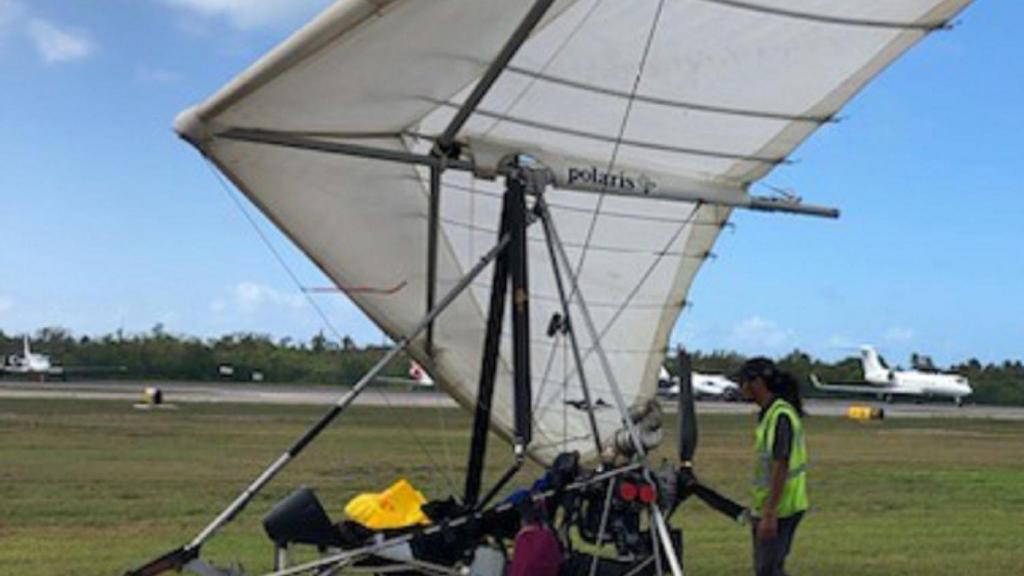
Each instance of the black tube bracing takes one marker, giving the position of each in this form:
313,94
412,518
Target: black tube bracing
433,231
488,370
520,311
510,268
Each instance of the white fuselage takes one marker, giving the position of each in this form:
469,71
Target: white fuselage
911,382
914,383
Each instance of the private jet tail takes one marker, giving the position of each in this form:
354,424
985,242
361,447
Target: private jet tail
875,368
418,378
26,349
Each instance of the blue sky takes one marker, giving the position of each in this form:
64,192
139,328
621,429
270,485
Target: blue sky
109,221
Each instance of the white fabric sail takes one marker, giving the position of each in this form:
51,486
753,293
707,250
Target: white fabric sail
713,93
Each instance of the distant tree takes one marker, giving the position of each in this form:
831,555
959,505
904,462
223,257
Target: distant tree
318,344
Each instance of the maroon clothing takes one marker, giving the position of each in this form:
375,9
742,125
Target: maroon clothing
537,553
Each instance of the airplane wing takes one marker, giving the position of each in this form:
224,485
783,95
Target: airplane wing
852,387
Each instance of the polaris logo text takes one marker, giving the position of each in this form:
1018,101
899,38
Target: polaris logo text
615,180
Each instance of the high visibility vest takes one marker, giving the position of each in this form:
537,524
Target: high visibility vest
794,492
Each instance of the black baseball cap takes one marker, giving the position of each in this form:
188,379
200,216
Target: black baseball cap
760,366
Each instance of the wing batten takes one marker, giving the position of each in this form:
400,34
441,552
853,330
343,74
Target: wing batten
836,20
668,102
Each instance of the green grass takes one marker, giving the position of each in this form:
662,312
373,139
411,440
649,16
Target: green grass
95,487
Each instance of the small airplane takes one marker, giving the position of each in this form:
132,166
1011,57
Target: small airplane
418,377
886,383
712,386
31,363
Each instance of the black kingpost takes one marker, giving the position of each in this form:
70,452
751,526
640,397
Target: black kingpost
520,310
488,368
509,268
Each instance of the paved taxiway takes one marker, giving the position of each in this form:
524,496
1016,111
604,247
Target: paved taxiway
245,393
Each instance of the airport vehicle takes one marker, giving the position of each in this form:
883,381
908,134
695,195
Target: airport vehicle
887,384
710,386
584,153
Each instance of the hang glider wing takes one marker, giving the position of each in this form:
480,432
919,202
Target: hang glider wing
712,94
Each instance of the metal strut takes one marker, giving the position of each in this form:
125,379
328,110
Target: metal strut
657,517
683,194
570,328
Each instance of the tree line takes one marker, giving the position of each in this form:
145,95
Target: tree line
160,355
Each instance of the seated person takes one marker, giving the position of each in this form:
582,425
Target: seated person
537,550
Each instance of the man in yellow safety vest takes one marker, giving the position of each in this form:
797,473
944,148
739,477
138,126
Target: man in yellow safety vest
780,464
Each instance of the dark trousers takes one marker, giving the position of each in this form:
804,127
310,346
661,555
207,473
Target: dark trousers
770,555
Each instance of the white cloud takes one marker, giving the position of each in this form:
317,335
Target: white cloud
758,335
248,14
899,335
56,44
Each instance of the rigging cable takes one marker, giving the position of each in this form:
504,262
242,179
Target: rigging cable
229,191
636,289
618,140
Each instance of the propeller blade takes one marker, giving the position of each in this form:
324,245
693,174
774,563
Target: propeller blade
690,486
721,503
688,436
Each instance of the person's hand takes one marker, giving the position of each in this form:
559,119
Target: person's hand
768,526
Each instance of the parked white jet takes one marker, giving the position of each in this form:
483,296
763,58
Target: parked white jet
41,365
714,386
886,383
31,363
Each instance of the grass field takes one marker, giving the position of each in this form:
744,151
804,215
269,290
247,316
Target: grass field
93,488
